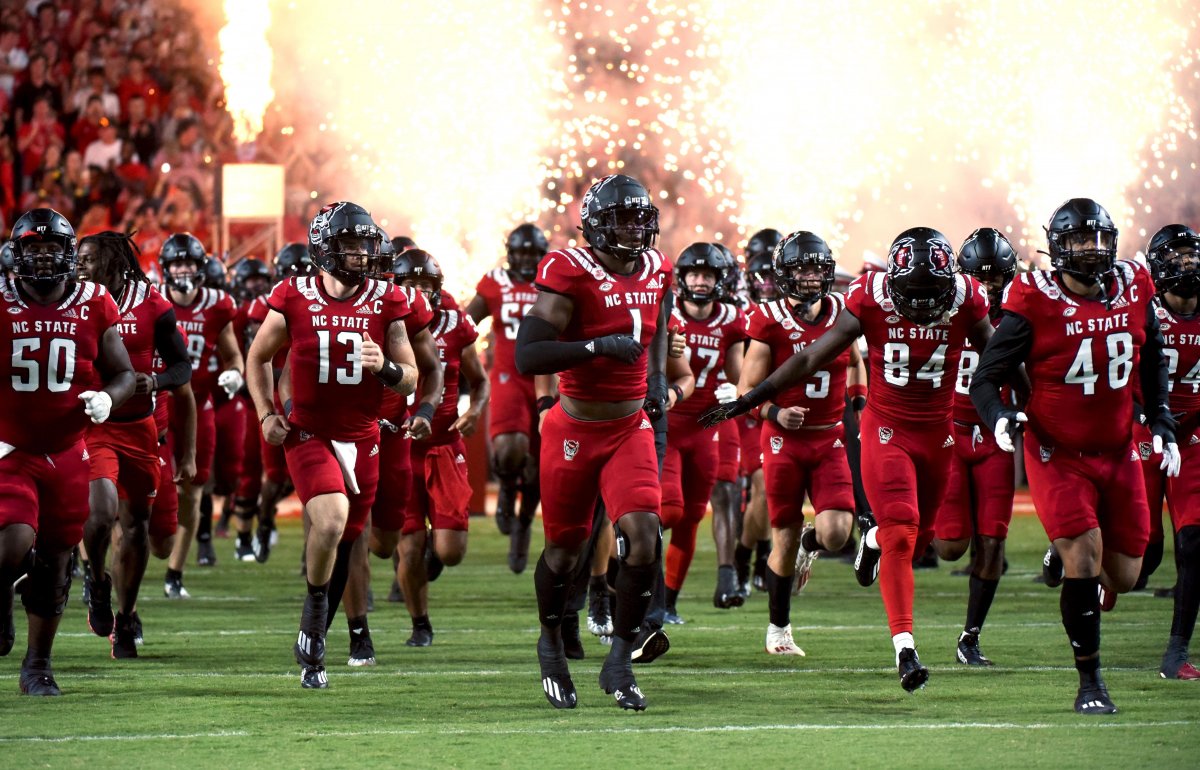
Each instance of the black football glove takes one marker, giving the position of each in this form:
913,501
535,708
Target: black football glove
622,347
656,396
722,412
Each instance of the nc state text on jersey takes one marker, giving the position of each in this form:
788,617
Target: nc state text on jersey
919,333
1102,324
631,298
346,321
44,327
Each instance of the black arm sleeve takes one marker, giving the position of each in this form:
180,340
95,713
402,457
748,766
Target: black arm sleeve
540,352
1005,351
1153,368
171,347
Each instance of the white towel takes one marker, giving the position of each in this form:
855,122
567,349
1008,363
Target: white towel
346,453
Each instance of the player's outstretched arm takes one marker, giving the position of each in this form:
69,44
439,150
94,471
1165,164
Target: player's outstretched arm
793,371
232,365
419,425
539,351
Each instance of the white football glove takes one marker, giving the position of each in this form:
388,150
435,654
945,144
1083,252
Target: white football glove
231,381
1171,461
726,392
1007,427
96,404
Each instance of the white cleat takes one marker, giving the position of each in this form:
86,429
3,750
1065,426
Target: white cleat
780,641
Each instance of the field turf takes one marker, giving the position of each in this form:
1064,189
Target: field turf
216,685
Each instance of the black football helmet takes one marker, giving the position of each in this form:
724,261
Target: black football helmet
294,260
987,256
1174,258
799,250
402,243
7,260
525,247
700,256
416,263
251,278
760,268
920,275
337,228
731,277
619,218
181,248
43,271
1083,240
214,274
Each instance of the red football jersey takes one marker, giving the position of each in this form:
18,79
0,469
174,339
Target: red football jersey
53,350
203,321
606,304
824,393
968,362
1182,350
332,396
1084,358
907,362
508,301
709,341
140,307
454,332
395,406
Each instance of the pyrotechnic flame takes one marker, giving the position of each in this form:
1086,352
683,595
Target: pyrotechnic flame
245,67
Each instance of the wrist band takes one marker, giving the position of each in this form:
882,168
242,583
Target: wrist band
390,374
546,402
773,413
678,393
856,390
425,411
858,403
266,416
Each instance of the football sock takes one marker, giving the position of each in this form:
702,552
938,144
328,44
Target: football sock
531,495
204,527
421,622
552,592
246,539
1150,562
979,601
808,540
358,625
779,597
1080,604
762,549
741,560
1187,587
672,597
337,583
635,585
896,574
316,609
174,575
680,552
903,641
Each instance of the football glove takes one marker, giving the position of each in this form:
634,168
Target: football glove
231,381
1009,424
622,347
726,392
1164,443
722,412
96,404
656,396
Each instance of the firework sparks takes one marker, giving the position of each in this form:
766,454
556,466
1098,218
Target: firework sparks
245,66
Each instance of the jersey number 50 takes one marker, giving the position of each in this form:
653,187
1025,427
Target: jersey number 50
27,372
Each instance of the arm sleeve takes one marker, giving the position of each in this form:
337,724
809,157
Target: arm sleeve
1005,351
1153,367
170,346
540,352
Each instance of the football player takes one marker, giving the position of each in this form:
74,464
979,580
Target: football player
802,446
599,308
1174,258
916,317
206,315
124,450
342,324
1096,330
506,294
714,332
66,365
979,500
441,492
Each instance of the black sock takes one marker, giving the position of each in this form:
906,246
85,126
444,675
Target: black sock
808,540
245,539
553,590
779,597
762,549
635,585
358,625
316,609
531,495
979,601
509,483
741,560
204,527
672,597
337,583
174,575
614,568
1187,587
1080,604
598,584
1150,562
421,622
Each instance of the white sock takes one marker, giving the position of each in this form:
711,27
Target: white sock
871,540
903,641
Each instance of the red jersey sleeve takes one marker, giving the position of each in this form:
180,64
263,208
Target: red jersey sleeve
738,330
557,273
1018,295
757,324
857,295
278,298
976,303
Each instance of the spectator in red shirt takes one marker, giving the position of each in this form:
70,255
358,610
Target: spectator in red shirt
131,172
140,131
137,82
36,136
87,127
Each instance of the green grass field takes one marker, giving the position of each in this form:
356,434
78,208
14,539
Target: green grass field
216,684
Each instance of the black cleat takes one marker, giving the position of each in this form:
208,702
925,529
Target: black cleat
556,676
206,555
617,680
518,545
421,637
727,594
671,617
310,644
572,644
913,675
743,580
866,563
124,643
968,650
1093,699
262,544
599,620
37,679
1052,568
649,645
100,611
362,649
313,678
245,550
395,595
138,637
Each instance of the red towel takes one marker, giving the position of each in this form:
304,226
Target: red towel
446,479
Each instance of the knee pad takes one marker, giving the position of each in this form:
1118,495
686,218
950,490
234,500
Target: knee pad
623,543
45,594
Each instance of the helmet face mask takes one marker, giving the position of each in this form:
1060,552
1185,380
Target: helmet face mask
920,275
987,256
695,262
526,245
619,218
345,242
44,249
804,267
1174,258
182,261
419,270
1083,241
